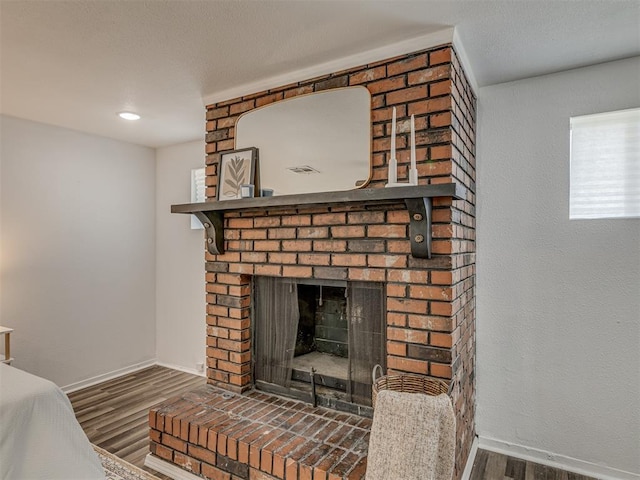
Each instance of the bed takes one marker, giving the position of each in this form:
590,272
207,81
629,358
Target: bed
40,437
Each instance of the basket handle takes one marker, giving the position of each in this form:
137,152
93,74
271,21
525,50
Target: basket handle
373,373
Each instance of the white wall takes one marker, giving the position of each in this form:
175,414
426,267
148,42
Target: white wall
78,251
1,250
180,286
558,301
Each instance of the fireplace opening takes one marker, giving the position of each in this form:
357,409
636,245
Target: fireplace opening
322,341
318,341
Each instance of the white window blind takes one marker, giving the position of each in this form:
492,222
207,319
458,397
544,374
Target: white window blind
605,165
197,193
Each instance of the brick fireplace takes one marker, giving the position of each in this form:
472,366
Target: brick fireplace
430,303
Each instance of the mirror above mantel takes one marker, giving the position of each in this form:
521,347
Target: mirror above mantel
319,142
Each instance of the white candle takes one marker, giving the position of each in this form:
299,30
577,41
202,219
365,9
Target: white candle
413,173
413,142
393,165
393,134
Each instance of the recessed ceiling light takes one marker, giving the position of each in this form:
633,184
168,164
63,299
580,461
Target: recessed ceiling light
129,115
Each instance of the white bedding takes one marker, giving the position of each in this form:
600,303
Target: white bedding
40,437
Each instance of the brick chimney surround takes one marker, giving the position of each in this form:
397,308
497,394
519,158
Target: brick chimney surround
228,429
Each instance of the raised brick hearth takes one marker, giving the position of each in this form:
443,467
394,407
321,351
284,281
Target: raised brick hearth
430,317
216,433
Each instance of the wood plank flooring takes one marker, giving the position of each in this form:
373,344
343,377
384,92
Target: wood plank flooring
114,416
495,466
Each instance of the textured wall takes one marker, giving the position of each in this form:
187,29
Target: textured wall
78,251
558,300
180,296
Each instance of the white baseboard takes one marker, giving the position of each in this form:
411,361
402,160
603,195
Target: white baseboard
168,469
569,464
107,376
192,371
466,474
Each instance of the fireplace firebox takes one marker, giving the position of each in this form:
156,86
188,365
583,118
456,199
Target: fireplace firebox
318,341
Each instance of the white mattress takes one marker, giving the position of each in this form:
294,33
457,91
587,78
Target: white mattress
40,437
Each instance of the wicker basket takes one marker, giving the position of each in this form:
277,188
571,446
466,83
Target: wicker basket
407,383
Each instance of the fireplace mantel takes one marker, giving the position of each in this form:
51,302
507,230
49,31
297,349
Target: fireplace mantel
417,199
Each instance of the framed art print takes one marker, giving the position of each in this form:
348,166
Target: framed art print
237,167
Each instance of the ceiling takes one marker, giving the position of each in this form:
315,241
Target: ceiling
76,63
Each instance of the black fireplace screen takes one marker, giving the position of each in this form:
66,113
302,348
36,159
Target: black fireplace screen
276,313
328,334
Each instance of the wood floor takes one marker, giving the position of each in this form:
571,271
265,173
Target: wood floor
494,466
114,416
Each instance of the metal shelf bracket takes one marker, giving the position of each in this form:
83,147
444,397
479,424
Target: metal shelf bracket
419,226
213,222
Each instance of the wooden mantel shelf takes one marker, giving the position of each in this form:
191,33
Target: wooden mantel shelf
417,199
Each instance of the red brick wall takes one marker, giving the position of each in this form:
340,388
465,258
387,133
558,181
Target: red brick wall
343,243
431,303
419,84
463,270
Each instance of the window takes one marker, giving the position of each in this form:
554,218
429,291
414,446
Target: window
605,165
197,194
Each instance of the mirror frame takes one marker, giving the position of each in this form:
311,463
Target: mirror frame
369,178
